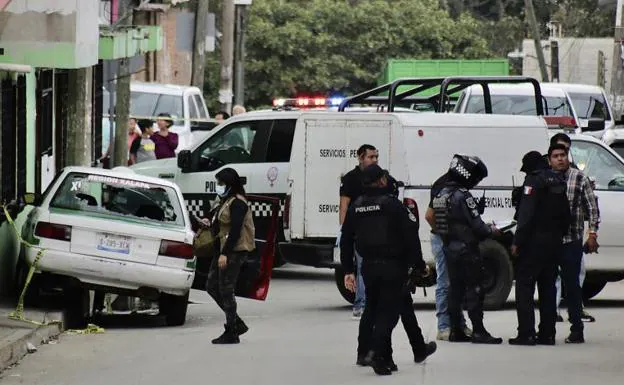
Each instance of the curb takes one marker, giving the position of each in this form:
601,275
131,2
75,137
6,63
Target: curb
14,347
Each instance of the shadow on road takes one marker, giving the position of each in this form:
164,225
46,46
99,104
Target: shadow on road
605,303
303,275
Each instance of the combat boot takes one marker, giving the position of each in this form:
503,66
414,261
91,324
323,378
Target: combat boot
485,338
420,356
229,336
241,328
458,335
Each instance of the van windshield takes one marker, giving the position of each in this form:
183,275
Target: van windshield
148,105
590,105
519,105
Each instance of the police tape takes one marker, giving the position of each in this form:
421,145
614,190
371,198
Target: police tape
155,118
18,314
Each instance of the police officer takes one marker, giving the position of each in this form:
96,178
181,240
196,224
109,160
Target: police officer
543,219
385,233
460,226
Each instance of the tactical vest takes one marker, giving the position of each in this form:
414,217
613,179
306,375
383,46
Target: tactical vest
374,235
441,211
246,242
553,212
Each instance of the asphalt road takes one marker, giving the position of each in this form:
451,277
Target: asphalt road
304,334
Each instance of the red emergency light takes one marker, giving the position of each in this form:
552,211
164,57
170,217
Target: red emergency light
560,121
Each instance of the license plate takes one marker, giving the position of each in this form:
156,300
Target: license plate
113,243
337,254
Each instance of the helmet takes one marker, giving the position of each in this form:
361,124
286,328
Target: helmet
467,170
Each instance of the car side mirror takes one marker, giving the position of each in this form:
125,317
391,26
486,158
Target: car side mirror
595,124
203,125
33,199
184,160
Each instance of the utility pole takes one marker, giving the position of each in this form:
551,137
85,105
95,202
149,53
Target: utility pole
617,75
530,14
199,48
239,66
122,105
227,55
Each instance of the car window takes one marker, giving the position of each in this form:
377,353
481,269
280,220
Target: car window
590,105
236,143
619,148
142,104
203,114
519,105
170,104
193,114
118,198
598,163
280,141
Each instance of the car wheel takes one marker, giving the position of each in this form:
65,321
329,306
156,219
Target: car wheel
76,309
591,288
173,308
498,274
346,294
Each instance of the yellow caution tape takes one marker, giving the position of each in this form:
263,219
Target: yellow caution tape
90,329
18,314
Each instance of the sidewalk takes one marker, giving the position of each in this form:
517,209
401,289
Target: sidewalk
15,335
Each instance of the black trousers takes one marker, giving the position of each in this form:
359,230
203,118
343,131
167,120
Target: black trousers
537,265
384,282
466,273
570,263
221,284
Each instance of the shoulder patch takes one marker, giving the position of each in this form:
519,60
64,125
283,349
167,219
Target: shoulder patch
528,190
471,203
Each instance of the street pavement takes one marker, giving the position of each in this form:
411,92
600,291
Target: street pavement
304,334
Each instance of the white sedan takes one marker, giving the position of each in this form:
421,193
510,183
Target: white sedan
115,232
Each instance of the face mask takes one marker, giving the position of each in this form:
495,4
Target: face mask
221,190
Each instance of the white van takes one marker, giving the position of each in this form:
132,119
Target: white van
185,104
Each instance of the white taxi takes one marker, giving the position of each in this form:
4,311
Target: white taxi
114,232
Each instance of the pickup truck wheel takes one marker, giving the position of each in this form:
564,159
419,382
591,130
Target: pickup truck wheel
346,294
174,308
498,274
592,287
76,308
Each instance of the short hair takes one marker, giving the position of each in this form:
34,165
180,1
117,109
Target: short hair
365,147
557,146
560,137
166,117
224,114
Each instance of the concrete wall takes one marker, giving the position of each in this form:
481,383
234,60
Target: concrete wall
50,33
578,59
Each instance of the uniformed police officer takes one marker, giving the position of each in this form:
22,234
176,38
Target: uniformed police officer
543,219
461,228
385,233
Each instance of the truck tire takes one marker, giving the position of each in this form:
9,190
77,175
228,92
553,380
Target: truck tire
498,274
591,288
346,294
173,308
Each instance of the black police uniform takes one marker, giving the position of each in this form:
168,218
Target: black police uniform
385,234
461,228
543,219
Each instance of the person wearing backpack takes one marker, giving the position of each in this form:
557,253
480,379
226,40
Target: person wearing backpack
543,219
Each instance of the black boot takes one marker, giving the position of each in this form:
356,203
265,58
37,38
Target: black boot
523,340
241,328
391,365
458,335
575,338
380,366
485,338
421,355
229,336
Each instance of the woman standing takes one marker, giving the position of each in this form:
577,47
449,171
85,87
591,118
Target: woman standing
234,229
166,142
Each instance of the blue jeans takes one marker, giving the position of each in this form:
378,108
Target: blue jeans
360,290
570,264
442,285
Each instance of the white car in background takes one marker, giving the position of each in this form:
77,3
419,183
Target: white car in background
112,232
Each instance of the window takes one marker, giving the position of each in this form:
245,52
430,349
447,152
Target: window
280,141
233,144
598,163
203,114
590,105
142,104
619,148
519,105
118,198
170,104
193,114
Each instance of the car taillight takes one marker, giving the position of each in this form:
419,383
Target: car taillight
286,213
176,249
53,231
411,206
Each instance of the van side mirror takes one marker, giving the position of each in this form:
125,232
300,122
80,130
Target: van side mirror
595,124
184,160
33,199
202,125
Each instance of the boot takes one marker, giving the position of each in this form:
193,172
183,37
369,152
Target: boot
523,340
420,356
229,336
575,338
391,365
241,328
485,338
458,335
380,366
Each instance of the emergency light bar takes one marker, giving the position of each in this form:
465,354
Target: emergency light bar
307,102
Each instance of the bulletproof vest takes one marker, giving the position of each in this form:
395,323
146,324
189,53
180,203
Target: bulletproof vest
459,229
375,237
441,211
553,208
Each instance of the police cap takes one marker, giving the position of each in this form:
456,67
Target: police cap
372,174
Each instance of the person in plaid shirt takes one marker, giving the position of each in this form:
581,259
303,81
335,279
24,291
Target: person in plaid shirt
583,206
